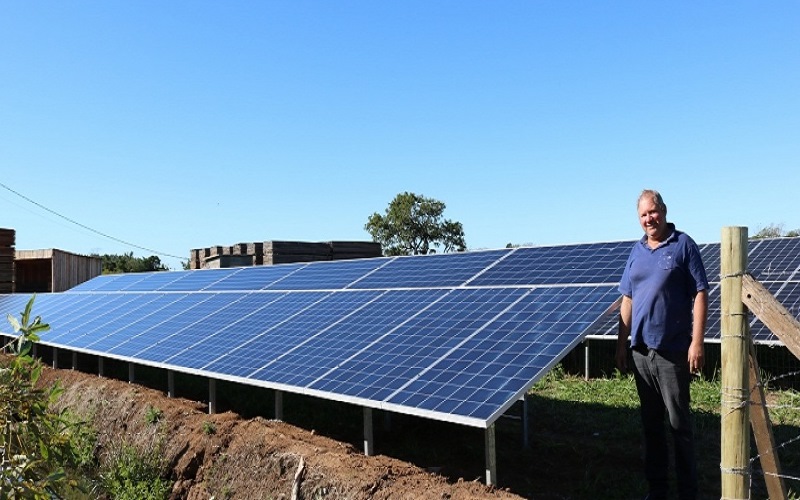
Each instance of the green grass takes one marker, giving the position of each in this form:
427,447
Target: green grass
586,439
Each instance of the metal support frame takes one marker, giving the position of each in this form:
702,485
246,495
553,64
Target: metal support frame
491,455
74,360
131,373
100,367
170,384
586,359
525,427
278,405
212,396
55,358
369,440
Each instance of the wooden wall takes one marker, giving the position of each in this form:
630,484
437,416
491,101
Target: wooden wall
53,270
7,240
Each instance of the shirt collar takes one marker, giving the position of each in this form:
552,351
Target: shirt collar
673,236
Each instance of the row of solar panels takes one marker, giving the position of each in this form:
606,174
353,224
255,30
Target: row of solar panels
580,264
455,337
459,354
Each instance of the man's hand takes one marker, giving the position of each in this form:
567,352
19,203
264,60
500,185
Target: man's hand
622,357
696,357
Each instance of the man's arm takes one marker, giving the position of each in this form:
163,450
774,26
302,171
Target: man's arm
696,349
625,315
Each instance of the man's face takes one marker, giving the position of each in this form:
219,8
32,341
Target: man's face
652,219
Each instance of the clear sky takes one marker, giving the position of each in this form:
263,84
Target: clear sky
180,125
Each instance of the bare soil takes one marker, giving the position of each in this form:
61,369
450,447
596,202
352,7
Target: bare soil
227,456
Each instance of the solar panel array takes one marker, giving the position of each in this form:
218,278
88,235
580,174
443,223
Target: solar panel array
454,337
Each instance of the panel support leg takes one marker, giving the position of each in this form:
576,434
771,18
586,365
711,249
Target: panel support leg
74,360
369,442
170,384
212,396
131,373
491,456
34,350
55,358
279,405
525,427
586,360
100,367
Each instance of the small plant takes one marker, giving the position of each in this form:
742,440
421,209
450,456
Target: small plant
153,415
129,473
209,428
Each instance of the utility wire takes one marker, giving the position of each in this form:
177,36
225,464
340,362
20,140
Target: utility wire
128,243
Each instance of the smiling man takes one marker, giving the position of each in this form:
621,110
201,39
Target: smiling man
664,307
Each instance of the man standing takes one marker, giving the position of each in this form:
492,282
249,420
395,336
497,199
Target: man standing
664,307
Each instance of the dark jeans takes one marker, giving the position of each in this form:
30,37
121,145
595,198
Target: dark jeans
662,380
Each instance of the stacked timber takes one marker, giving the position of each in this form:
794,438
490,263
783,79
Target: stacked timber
285,252
7,242
280,252
355,249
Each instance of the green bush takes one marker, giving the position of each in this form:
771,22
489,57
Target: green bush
129,473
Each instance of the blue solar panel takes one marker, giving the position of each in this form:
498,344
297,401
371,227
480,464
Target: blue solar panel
413,346
776,259
104,280
331,275
201,279
326,348
710,254
188,346
295,320
444,270
174,312
254,278
490,368
598,263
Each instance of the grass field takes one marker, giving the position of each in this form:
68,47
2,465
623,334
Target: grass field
590,432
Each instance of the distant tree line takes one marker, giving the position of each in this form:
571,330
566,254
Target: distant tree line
127,263
775,231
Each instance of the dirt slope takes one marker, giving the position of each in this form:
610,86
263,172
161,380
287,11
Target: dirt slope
248,459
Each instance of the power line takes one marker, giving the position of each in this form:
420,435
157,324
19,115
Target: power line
118,240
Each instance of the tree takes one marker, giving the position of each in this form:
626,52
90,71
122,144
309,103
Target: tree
127,263
774,231
414,225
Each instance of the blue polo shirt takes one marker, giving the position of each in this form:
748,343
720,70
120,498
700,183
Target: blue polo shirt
662,284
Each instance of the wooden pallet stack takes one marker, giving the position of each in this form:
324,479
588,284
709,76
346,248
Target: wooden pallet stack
341,250
7,242
280,252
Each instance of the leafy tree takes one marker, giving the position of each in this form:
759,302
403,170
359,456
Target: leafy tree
127,263
774,231
414,225
35,442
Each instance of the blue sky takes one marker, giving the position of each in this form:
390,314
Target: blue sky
180,125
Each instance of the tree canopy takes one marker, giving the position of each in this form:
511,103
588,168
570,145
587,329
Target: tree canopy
774,231
127,263
414,225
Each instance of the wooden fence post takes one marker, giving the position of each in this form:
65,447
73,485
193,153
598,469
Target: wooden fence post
735,340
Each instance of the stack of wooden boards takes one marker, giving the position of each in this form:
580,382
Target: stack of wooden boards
280,252
7,241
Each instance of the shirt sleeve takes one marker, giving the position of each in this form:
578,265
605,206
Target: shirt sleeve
697,270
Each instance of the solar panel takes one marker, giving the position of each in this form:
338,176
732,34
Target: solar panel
587,263
456,337
442,270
